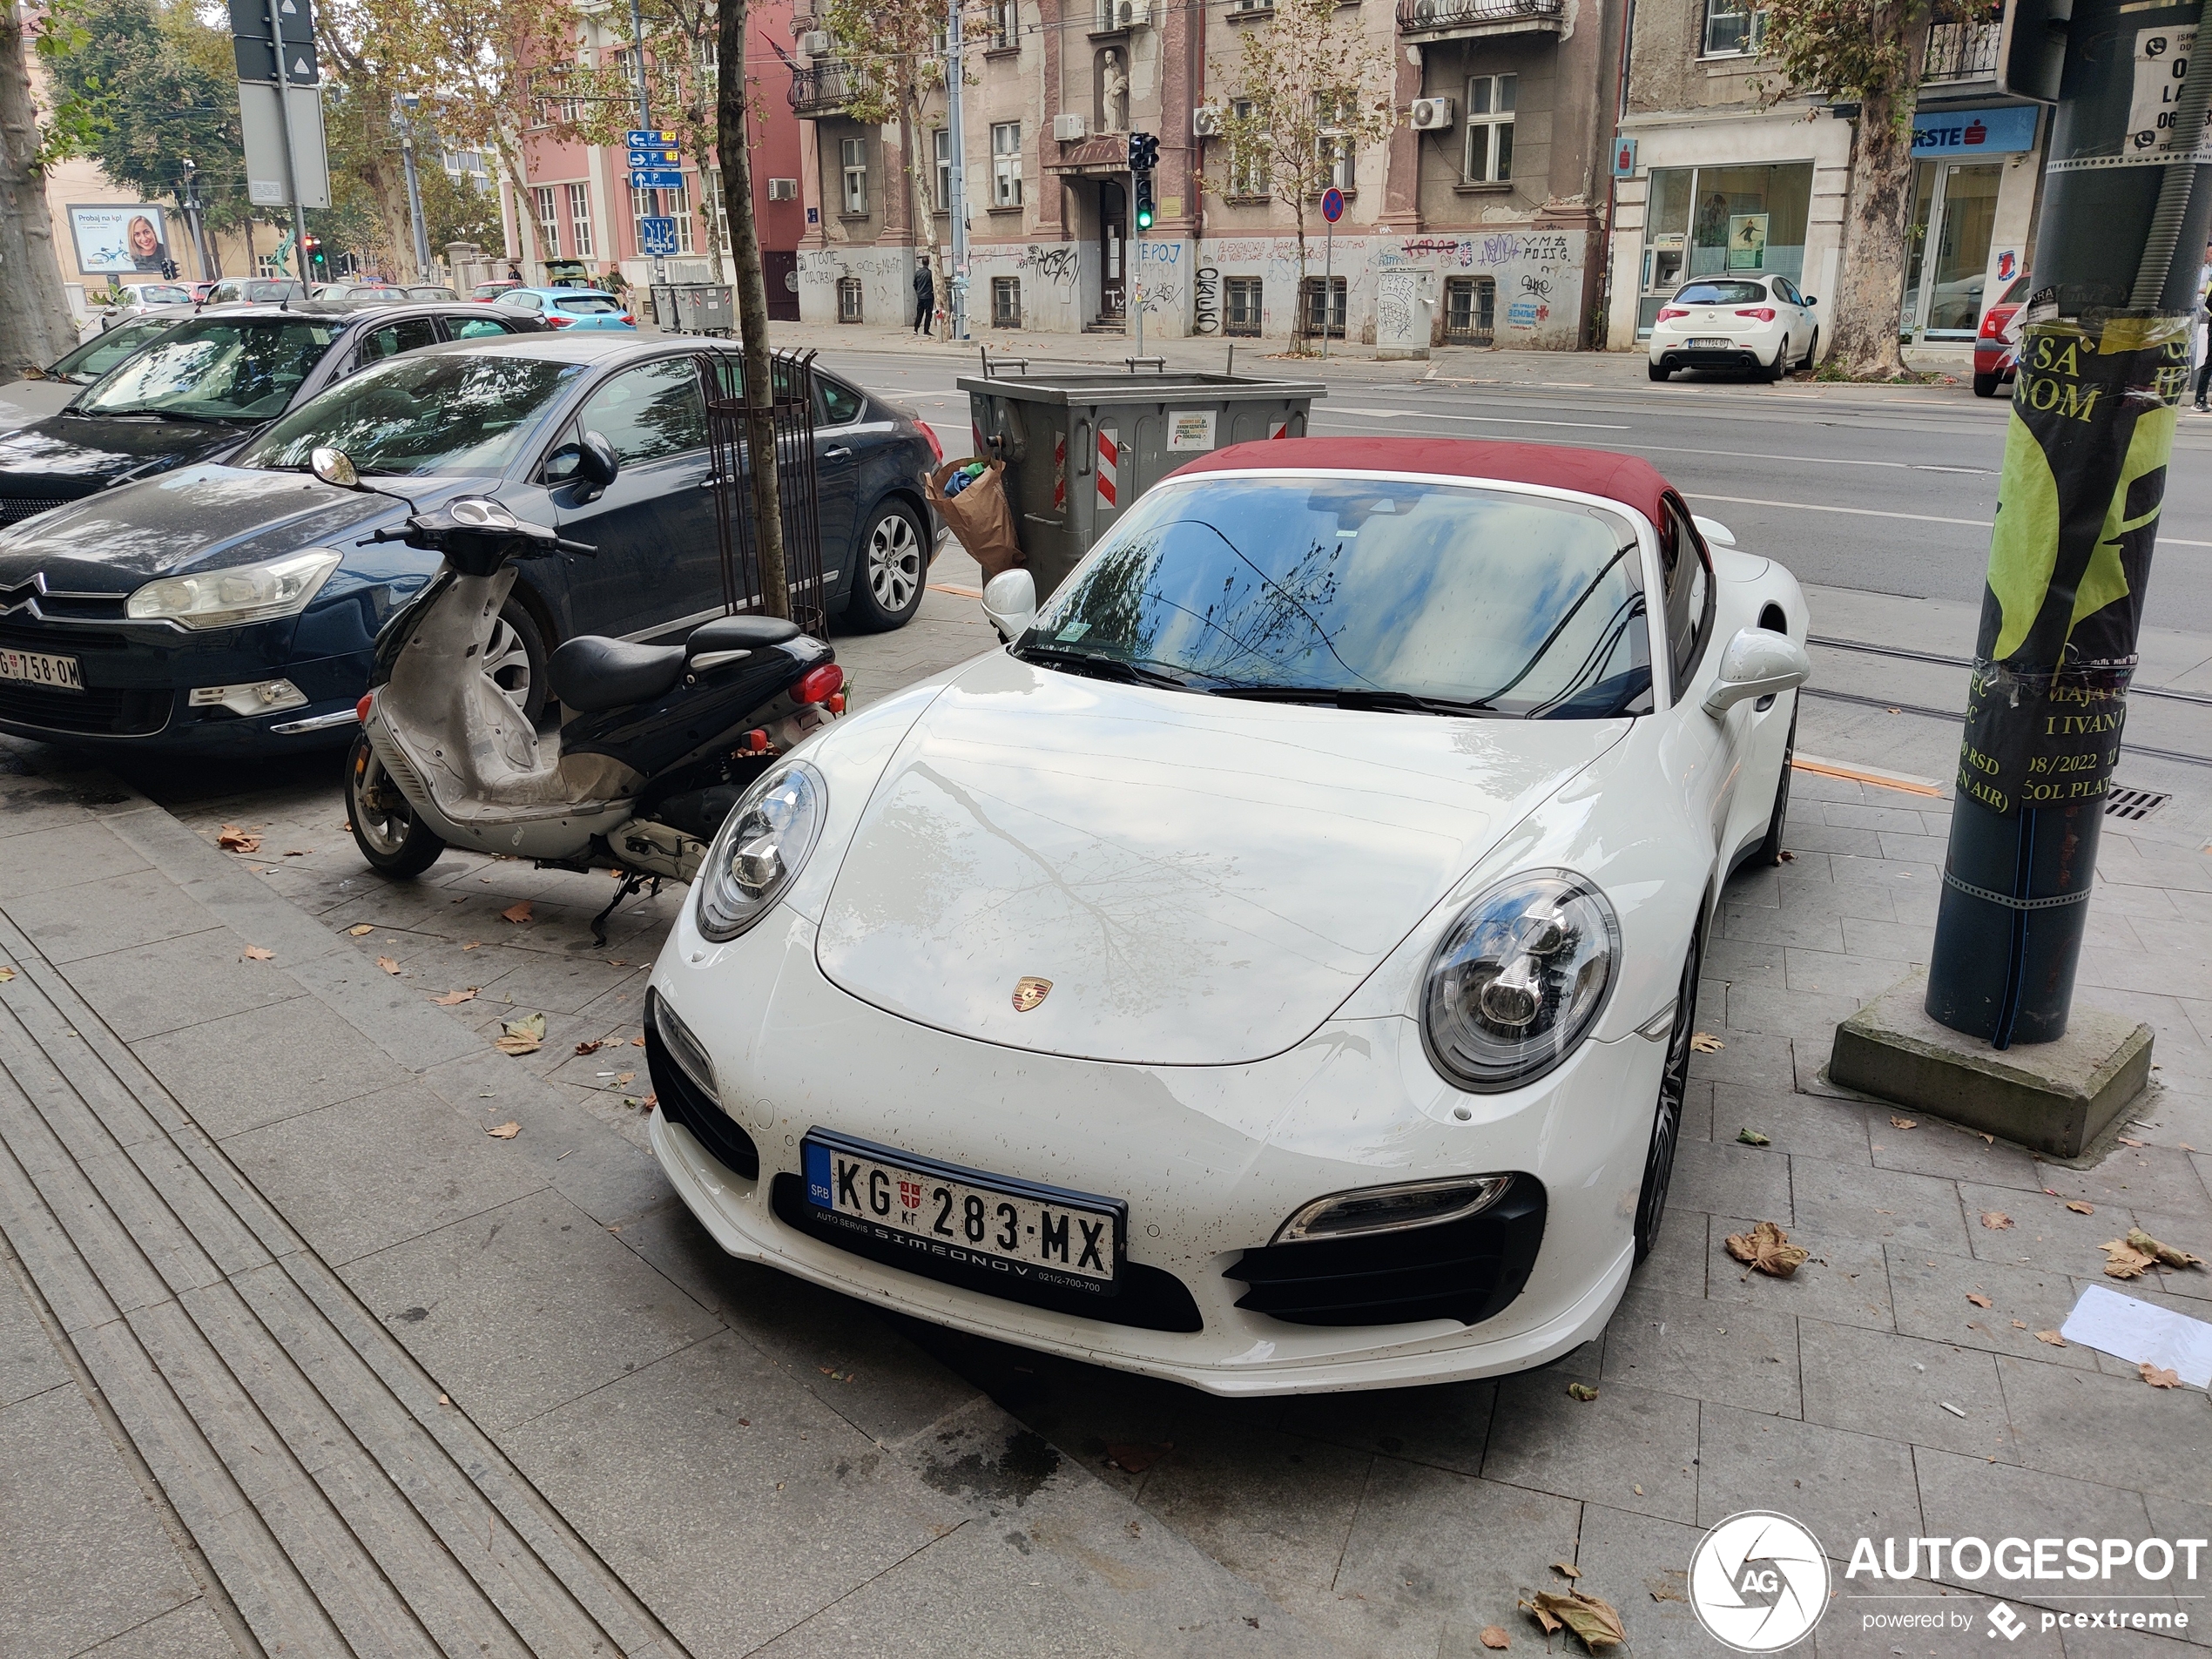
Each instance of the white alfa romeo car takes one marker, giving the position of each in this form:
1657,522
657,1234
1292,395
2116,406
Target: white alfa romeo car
1761,323
1274,968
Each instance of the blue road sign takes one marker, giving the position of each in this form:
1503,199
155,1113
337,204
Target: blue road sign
1332,204
655,158
656,237
657,179
646,138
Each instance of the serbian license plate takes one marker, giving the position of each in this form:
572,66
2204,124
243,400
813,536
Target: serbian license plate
1037,1233
1713,345
34,669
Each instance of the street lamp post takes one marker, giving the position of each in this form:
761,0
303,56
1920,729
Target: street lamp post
645,122
407,104
956,279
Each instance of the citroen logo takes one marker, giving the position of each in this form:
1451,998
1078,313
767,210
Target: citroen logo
19,596
1029,991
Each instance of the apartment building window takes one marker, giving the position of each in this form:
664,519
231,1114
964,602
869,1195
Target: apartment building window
1734,28
942,139
580,221
1006,302
715,209
1470,311
1006,27
1006,164
848,298
1490,101
1241,297
854,152
1316,321
1247,166
1337,156
706,64
548,222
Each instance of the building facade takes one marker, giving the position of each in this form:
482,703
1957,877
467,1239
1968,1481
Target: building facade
1484,223
1711,179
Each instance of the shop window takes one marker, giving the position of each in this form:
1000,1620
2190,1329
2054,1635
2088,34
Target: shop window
1241,297
1006,164
1490,102
1734,28
1313,302
848,300
1470,311
1714,221
1006,302
853,154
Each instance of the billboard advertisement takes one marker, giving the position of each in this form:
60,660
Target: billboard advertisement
121,239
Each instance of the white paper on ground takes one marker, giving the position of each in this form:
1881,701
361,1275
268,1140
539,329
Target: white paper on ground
2136,1332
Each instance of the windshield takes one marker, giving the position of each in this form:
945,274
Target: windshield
596,304
103,352
1722,293
234,368
1442,598
458,413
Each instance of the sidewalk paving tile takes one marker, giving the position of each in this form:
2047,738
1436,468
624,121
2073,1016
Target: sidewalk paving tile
192,1631
1795,1124
1706,1349
2045,1233
1641,1565
1633,1448
1845,1279
174,983
1897,1387
28,1362
1721,1177
67,855
248,1070
1843,1201
118,912
1837,1483
1929,1292
2058,1410
1950,1153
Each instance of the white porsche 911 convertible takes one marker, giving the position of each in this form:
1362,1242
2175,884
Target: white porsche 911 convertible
1274,969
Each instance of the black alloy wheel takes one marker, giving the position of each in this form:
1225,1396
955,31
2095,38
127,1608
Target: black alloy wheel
1769,851
394,840
1812,351
1674,1088
894,568
1775,370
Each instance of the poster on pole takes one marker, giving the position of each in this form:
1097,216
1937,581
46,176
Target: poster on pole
120,239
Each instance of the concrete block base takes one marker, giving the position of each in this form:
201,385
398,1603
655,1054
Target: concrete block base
2053,1097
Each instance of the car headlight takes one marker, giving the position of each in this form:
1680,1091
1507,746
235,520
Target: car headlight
242,593
1519,980
760,848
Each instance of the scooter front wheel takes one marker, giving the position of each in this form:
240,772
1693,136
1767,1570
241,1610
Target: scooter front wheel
394,840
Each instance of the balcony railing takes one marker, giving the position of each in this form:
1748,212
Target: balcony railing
1961,51
1446,17
823,88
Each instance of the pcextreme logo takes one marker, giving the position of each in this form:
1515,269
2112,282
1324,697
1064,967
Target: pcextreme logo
1759,1581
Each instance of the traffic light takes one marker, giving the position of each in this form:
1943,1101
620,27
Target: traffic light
1145,211
314,253
169,270
1143,156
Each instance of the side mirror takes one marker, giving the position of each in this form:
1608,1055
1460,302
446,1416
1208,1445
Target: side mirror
1812,299
334,466
1011,602
1757,663
1715,533
596,463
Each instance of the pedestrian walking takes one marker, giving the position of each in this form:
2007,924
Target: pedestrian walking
924,299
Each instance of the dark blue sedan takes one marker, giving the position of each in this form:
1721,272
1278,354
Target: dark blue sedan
229,608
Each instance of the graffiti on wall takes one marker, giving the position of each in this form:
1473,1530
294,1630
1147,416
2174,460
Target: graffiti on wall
1055,263
1206,301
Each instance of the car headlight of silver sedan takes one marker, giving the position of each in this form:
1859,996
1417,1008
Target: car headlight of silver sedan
241,593
760,848
1519,980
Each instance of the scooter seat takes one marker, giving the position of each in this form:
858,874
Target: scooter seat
592,674
740,633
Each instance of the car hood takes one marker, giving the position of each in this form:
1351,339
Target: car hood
1203,881
26,400
199,517
73,455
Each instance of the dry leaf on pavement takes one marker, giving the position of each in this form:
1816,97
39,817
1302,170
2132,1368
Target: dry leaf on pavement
1979,1301
1768,1249
1752,1137
1904,1123
593,1046
235,840
388,964
638,1042
1567,1569
1495,1639
257,953
2051,1337
2157,1378
520,912
2124,1141
1995,1220
2138,1240
454,999
506,1131
2080,1208
1706,1043
6,973
1594,1621
525,1035
623,1078
2123,1260
361,929
1582,1391
473,944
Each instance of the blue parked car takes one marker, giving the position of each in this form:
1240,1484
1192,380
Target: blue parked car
573,307
228,607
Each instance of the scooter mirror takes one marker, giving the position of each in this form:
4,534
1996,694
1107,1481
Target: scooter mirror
335,467
1011,602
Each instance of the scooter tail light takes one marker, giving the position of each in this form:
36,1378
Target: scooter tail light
753,742
836,704
819,684
1764,314
361,708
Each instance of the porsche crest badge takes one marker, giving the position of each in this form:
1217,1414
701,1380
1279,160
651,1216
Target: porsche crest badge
1029,991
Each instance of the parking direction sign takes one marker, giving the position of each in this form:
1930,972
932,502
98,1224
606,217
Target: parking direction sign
656,157
256,61
656,236
250,19
656,178
637,137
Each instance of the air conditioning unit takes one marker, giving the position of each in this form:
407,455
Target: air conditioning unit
1432,114
1205,122
1068,128
1132,14
815,42
783,190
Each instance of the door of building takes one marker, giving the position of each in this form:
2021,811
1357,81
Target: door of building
1954,212
779,267
1113,231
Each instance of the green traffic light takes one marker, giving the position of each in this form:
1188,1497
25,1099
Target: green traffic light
1144,219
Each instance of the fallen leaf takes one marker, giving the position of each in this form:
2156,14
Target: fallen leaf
2158,1378
1137,1457
2080,1208
1752,1137
1495,1639
2051,1337
1979,1301
2124,1141
2125,1261
388,964
520,912
2138,1240
1582,1391
1769,1251
525,1035
617,961
1567,1569
1706,1043
454,999
1995,1220
6,973
623,1077
235,840
257,953
473,944
1594,1621
299,851
2020,1324
361,929
1663,1591
1904,1123
638,1042
591,1046
506,1131
1788,857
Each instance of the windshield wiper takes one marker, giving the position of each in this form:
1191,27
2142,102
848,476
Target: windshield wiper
166,414
1357,697
1100,666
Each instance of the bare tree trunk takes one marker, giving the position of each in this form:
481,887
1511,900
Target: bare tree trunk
1872,283
35,324
922,175
695,123
733,149
389,183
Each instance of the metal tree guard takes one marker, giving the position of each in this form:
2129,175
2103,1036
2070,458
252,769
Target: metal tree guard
791,412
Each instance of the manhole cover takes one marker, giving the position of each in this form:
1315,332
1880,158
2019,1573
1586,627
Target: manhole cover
2133,803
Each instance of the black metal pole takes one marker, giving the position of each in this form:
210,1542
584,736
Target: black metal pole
2103,359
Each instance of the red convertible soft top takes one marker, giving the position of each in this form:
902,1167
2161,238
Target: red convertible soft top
1629,480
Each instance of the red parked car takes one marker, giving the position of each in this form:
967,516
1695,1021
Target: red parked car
1997,346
